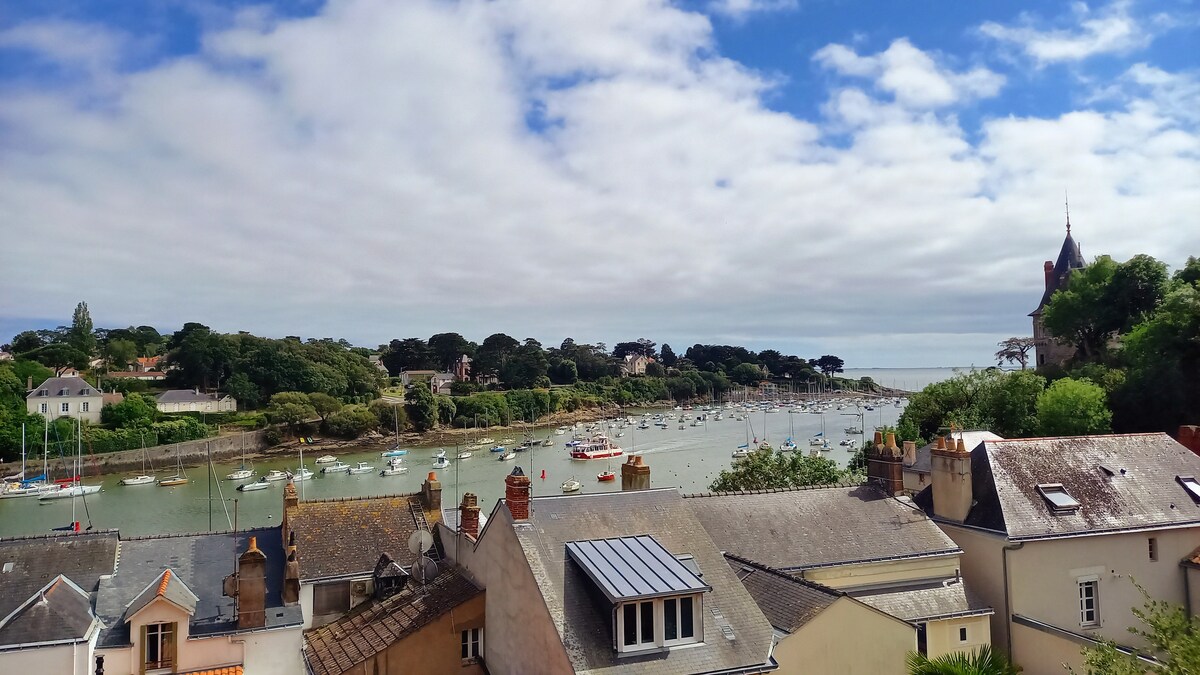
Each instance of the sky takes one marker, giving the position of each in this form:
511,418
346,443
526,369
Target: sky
876,180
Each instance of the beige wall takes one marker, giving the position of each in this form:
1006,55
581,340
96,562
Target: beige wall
518,624
189,654
436,648
74,659
886,572
1044,654
74,403
833,643
915,482
272,652
983,569
942,636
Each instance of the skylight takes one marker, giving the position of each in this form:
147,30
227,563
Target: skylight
1058,498
1189,483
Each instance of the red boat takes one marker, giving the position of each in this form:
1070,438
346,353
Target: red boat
605,476
598,447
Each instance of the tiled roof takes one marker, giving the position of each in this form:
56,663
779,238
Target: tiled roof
1069,258
82,558
1141,491
167,586
58,612
227,670
75,386
971,440
339,537
788,602
928,601
375,625
583,617
813,527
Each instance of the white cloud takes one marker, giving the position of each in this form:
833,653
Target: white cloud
92,48
372,172
911,75
741,9
1110,30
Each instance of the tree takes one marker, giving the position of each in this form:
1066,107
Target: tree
291,408
982,661
201,358
1172,635
26,341
492,356
655,369
391,416
118,354
80,335
829,364
1015,350
421,407
746,374
1072,407
766,470
668,356
525,367
1080,314
324,405
448,348
1137,286
408,354
641,346
1008,405
565,372
351,421
1188,274
135,411
59,356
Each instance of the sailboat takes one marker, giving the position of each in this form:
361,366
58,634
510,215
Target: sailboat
243,471
143,478
27,487
743,450
76,487
789,445
180,478
395,450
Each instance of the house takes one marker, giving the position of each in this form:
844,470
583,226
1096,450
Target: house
191,400
634,364
549,565
820,630
439,382
917,460
338,544
860,540
408,377
6,356
462,368
1055,531
377,361
1048,350
65,396
145,364
143,375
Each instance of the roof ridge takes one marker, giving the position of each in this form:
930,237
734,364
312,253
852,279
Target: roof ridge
784,575
166,579
1077,438
763,491
359,498
180,535
58,535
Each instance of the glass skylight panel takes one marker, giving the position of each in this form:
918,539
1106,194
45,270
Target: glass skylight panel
1058,498
1189,483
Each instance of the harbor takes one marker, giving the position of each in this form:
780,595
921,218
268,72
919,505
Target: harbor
687,452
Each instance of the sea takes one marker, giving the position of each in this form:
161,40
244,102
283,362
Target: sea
907,379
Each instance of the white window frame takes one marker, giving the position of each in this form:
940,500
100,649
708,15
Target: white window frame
471,644
83,407
1088,618
963,635
658,615
45,408
65,407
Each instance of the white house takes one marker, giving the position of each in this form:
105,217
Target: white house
65,396
192,400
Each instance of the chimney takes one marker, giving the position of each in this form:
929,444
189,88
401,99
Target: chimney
1048,269
29,383
910,453
1189,437
468,515
291,574
951,469
635,474
516,494
431,491
885,464
252,587
290,498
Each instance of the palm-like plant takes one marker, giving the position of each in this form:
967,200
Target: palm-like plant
982,661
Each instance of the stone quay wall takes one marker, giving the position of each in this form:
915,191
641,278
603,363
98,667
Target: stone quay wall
162,457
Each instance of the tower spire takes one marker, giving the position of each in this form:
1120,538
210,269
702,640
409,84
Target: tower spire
1067,202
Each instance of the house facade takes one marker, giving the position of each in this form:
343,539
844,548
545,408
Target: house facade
1055,531
192,400
634,364
65,397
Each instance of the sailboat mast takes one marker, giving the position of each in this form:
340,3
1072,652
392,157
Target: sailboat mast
23,476
46,451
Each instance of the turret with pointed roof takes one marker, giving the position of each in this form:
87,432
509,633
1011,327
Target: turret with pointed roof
1058,275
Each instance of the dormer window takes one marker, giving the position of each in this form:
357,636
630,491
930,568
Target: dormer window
1189,483
657,600
1057,498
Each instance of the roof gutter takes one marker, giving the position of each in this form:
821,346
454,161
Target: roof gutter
771,664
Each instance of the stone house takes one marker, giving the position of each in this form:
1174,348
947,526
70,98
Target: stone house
192,400
1047,349
65,397
634,364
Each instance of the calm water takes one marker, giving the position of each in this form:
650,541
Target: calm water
689,458
908,379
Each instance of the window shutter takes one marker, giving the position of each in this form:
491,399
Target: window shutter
142,648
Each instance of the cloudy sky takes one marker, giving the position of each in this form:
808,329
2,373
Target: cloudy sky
876,180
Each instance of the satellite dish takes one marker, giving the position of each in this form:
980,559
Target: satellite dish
424,569
420,542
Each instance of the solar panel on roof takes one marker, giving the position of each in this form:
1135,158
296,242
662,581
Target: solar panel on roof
632,568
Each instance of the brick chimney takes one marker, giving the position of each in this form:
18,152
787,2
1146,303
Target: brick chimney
635,474
29,383
252,587
1189,437
468,515
431,492
291,573
290,498
1048,270
885,465
951,478
910,453
516,494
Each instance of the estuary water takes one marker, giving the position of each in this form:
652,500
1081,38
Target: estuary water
907,379
688,458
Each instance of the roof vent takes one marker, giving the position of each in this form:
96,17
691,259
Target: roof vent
1108,470
8,567
1058,499
1189,483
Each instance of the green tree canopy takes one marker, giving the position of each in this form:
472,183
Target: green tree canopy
324,404
448,348
135,411
765,470
80,335
421,407
1072,407
118,354
59,356
983,661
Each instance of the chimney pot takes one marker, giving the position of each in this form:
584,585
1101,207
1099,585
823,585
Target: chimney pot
878,439
941,443
431,490
516,494
635,474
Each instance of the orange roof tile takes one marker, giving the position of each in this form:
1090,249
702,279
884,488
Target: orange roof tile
227,670
162,586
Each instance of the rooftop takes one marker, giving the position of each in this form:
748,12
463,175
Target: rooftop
1069,258
373,626
927,601
341,537
56,386
36,561
186,395
971,439
633,568
792,529
60,611
788,602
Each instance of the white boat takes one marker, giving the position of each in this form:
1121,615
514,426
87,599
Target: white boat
742,451
337,467
240,474
77,490
853,430
487,440
571,485
507,455
31,489
441,462
302,474
180,478
362,467
394,470
788,447
394,452
260,484
274,475
466,454
597,447
137,480
326,459
548,443
561,430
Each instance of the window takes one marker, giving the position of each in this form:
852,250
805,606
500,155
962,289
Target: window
66,407
922,639
43,409
83,407
1057,497
962,634
158,645
638,623
1189,483
333,598
1089,603
1152,545
472,643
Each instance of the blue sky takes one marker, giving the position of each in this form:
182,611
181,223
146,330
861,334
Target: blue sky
875,180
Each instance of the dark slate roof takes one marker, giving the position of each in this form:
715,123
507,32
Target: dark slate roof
82,558
633,568
58,612
1005,476
168,586
339,537
971,439
201,561
927,601
188,396
1069,258
583,617
814,527
788,602
375,625
75,386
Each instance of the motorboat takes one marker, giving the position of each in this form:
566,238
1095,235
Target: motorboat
853,430
441,462
571,485
507,455
274,475
548,443
302,474
77,490
394,470
240,474
260,484
466,454
597,447
337,467
326,459
742,452
498,448
137,480
487,440
606,476
788,447
394,452
561,430
396,461
508,440
362,467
